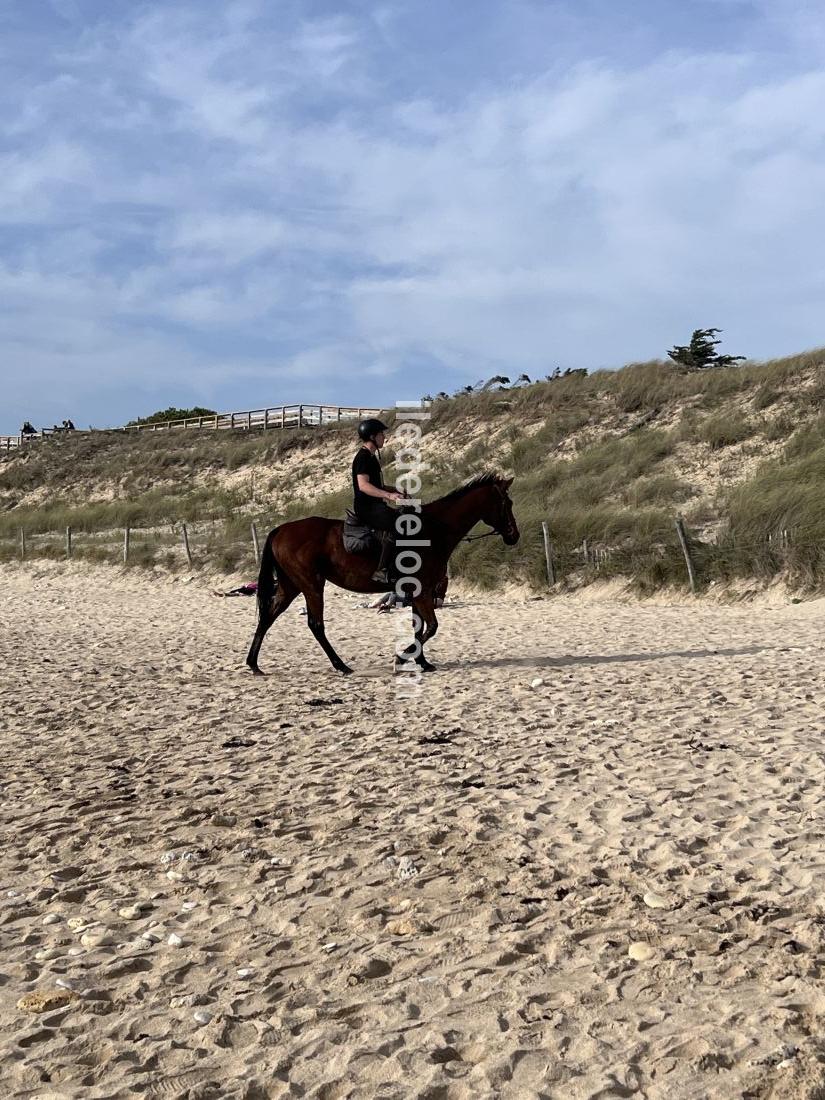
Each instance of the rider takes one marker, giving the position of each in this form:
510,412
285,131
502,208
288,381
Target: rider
371,496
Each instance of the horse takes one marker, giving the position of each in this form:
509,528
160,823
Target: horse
301,556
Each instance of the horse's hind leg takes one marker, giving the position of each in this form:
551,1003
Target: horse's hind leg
315,620
284,595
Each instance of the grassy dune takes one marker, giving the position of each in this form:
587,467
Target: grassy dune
612,458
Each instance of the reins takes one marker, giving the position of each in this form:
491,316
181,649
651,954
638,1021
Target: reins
486,534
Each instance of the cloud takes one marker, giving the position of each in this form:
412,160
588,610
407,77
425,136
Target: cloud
209,199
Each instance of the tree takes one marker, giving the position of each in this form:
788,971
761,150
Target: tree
499,380
701,351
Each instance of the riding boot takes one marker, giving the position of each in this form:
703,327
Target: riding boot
383,574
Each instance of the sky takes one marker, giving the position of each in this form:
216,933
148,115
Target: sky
239,203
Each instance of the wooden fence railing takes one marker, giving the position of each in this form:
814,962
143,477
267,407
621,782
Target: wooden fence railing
278,416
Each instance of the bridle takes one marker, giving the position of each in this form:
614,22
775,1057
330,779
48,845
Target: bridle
486,534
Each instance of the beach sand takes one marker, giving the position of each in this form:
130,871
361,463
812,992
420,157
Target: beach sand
608,884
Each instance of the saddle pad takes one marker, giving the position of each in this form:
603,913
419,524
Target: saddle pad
358,539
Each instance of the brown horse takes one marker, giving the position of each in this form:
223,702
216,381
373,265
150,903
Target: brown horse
307,553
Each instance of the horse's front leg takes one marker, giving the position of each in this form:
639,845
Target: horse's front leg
425,624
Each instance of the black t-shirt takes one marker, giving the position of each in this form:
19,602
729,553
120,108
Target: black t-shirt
365,462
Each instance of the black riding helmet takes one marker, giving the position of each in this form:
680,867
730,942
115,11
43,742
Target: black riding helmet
369,428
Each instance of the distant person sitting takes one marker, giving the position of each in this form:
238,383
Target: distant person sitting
28,429
68,426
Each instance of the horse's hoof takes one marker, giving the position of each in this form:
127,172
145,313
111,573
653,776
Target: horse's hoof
345,670
425,666
255,670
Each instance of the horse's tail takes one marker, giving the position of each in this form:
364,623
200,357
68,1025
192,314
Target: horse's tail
267,581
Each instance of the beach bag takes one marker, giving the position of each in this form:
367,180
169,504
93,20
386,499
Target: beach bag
358,539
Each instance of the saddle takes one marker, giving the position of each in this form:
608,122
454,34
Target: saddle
358,538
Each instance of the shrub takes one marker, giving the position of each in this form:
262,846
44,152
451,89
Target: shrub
725,429
172,414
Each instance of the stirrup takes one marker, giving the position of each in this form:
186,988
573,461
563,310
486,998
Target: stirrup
382,576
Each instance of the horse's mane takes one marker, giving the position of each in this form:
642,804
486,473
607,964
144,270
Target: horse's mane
489,478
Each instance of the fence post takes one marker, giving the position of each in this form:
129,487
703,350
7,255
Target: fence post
548,554
126,531
22,544
300,416
186,543
256,545
68,542
586,552
680,531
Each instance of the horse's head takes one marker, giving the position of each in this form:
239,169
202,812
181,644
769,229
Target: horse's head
498,511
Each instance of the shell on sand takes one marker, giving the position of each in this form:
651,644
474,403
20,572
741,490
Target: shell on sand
46,1000
640,952
655,901
406,926
96,939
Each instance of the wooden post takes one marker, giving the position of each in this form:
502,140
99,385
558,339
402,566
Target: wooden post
68,542
548,554
256,545
186,543
283,416
680,531
585,552
126,531
266,419
300,416
22,544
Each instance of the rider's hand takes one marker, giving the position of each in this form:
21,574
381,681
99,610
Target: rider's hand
397,498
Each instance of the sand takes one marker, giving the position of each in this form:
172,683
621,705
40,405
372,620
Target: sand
605,885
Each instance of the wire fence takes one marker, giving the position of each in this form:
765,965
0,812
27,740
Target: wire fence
174,545
236,546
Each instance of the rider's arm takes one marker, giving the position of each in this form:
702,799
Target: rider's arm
370,490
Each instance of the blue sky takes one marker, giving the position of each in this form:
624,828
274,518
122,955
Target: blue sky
242,202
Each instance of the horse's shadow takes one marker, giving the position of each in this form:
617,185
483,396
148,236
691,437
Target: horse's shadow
569,661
